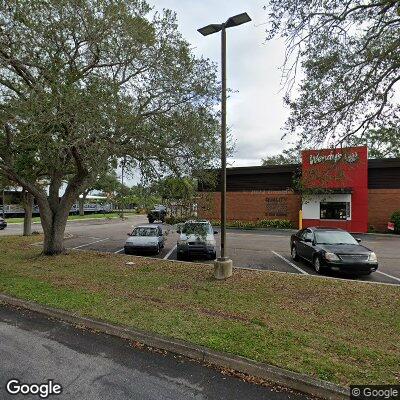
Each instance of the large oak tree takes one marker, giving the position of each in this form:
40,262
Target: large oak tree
345,55
85,83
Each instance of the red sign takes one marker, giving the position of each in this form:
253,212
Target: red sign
339,170
391,226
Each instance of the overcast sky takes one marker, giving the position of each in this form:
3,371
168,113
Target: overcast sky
255,113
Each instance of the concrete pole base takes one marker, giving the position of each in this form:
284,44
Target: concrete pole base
222,268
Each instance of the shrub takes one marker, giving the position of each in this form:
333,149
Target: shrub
172,220
264,223
396,219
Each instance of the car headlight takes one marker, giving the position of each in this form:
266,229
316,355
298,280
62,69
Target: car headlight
331,256
372,257
209,242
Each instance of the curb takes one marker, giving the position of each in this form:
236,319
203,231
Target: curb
270,373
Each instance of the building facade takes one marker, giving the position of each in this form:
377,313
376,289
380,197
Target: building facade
332,187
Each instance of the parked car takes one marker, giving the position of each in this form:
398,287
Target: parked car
333,249
158,213
3,224
145,238
196,240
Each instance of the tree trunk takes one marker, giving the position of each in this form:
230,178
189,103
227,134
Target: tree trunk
54,240
81,207
28,208
54,229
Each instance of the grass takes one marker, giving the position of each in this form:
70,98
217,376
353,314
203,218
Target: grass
341,331
74,217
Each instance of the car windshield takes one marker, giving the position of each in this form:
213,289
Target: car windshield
143,231
196,229
334,237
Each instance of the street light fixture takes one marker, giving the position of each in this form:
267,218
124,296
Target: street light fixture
223,265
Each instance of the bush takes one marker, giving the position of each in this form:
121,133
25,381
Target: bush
263,223
396,219
171,220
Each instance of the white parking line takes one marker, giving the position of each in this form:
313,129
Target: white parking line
170,252
119,251
290,263
389,276
88,244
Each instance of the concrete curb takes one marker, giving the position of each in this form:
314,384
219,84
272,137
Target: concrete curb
270,373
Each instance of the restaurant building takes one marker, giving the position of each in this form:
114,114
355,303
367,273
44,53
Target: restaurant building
331,187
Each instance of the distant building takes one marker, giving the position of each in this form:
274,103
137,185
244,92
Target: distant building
332,187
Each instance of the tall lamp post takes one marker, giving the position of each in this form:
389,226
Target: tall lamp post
223,265
4,211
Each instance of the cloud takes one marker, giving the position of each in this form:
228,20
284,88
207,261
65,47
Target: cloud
255,113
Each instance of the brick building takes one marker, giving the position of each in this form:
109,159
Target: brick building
332,187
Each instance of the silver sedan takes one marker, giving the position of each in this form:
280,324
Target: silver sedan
147,238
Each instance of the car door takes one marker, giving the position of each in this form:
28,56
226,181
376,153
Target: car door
305,247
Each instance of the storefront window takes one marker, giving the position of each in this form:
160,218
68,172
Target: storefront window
334,210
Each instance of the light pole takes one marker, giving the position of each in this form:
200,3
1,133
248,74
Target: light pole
4,211
223,265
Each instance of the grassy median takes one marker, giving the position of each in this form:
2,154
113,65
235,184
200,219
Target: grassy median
72,217
341,331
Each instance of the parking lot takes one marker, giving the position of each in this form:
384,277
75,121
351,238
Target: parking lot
265,250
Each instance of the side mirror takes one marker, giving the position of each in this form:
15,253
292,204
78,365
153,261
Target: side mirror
358,240
178,230
215,232
129,233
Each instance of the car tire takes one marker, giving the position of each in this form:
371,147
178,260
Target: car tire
180,257
317,265
158,249
294,254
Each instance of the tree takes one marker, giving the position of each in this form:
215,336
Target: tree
382,142
86,83
27,201
106,183
349,58
288,156
178,192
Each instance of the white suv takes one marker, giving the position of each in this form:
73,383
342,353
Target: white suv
196,240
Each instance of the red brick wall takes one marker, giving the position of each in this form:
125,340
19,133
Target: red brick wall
252,206
381,204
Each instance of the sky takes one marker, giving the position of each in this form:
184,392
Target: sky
255,113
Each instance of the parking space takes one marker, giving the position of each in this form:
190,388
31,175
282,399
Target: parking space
265,250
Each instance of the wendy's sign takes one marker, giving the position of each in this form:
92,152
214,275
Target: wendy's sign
335,169
334,157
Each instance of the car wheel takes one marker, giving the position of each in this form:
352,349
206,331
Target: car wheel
158,249
295,256
179,257
317,265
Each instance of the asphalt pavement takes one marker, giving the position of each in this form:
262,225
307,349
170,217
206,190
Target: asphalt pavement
93,366
256,249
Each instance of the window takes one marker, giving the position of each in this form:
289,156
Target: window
334,237
307,235
143,231
197,228
334,210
